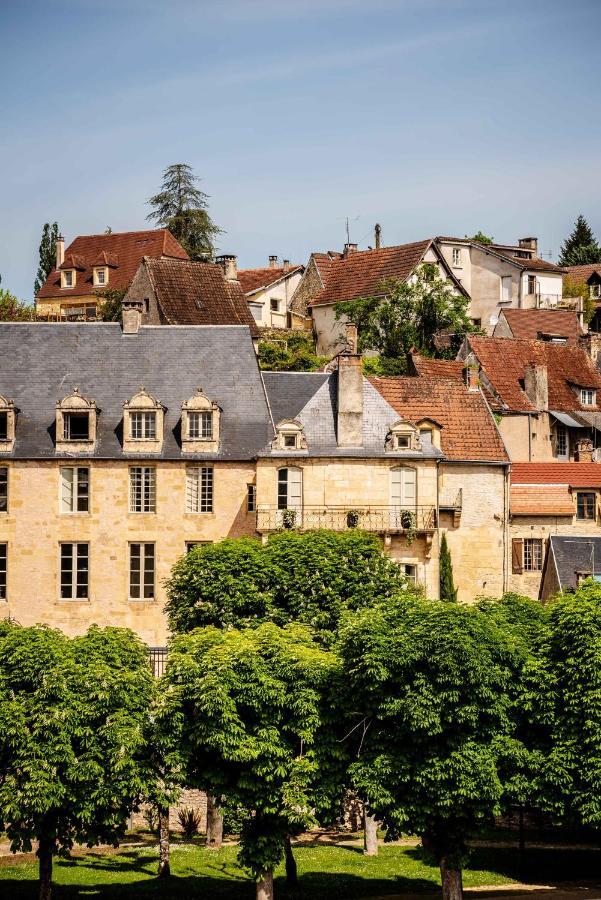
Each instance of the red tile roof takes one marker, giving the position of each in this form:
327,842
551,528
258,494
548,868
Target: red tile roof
125,250
504,362
254,279
441,368
468,429
530,500
575,475
583,273
361,273
194,293
533,264
528,324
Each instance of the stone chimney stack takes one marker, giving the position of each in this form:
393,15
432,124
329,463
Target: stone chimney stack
472,378
348,249
378,230
131,316
228,263
273,262
286,265
529,243
350,393
536,386
60,251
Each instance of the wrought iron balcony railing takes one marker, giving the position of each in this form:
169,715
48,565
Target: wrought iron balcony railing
382,519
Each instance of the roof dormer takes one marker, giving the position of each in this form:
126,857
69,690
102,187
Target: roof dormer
429,432
75,421
289,436
201,421
69,268
7,425
101,268
143,419
403,435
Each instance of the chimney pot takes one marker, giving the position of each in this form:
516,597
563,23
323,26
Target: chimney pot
228,262
348,249
273,262
60,251
286,265
131,316
378,230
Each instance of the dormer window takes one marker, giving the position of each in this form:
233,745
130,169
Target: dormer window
402,436
68,278
289,436
3,426
143,426
75,423
403,442
100,276
588,397
7,425
143,418
200,424
290,441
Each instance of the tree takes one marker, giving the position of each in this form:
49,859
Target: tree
182,208
448,591
14,310
426,688
250,706
47,252
110,304
404,316
71,722
480,238
581,247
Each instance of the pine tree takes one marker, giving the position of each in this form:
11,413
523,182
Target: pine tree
581,248
47,255
182,208
448,591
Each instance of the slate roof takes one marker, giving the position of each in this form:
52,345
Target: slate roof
195,293
504,362
572,554
252,280
125,251
583,273
468,429
311,397
42,363
574,475
528,324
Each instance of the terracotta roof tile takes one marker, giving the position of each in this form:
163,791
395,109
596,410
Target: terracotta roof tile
573,475
125,249
194,293
441,368
530,500
468,429
533,264
504,362
529,324
583,273
254,279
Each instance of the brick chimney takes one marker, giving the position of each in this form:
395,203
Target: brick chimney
472,378
378,231
273,262
529,243
348,249
131,316
584,450
536,386
350,393
60,251
228,262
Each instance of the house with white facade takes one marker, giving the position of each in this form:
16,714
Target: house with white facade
269,291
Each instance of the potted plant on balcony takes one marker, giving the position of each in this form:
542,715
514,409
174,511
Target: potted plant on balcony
352,518
288,518
408,523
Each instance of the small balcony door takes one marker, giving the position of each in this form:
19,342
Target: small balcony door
403,495
562,442
290,497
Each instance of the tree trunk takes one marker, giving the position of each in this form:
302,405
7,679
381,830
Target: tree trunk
452,882
164,865
265,886
214,825
45,854
370,833
291,870
521,845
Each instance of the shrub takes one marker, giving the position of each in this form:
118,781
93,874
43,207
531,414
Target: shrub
189,819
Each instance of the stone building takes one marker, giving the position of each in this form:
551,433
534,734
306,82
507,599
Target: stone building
269,291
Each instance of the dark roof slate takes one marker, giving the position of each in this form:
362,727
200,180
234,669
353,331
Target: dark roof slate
572,554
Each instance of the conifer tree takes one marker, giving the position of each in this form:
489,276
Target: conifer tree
182,208
581,247
448,591
47,254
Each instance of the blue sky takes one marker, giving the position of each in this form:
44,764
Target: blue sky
428,116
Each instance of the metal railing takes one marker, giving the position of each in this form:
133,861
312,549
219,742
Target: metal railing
383,519
157,656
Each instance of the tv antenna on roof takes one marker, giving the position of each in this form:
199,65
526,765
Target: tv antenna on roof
348,232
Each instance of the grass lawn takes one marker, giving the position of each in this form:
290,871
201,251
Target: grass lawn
324,872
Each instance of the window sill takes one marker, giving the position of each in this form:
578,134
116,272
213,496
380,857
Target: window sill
73,600
190,512
141,600
75,513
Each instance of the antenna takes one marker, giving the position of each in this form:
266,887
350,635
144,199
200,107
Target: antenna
347,226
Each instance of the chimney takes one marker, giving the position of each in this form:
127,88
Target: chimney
378,230
529,243
60,251
536,386
472,378
131,316
286,265
273,262
228,263
350,393
348,249
584,450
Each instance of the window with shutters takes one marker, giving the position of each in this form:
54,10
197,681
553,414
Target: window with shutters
74,572
199,489
533,554
142,489
3,570
141,571
3,489
517,556
75,489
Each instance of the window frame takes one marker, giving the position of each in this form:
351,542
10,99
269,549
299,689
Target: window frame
4,488
457,258
585,393
98,271
533,555
586,506
274,304
68,279
148,492
68,415
142,585
75,570
143,417
251,498
4,425
203,418
200,490
77,494
3,571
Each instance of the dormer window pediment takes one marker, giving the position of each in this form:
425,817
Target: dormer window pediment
7,425
201,421
143,420
75,421
290,436
403,435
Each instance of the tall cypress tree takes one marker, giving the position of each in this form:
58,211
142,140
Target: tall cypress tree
581,247
182,207
448,591
47,254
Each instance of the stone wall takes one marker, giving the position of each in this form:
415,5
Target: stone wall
189,799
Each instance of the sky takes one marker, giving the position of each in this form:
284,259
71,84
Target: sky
427,116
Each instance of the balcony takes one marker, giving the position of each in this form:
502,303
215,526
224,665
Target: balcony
379,519
539,300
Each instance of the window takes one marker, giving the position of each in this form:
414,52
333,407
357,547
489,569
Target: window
274,304
141,571
585,505
290,441
68,278
595,291
403,442
190,545
251,497
533,554
143,426
290,488
76,426
142,489
456,257
3,489
531,289
561,441
74,571
101,276
75,489
3,560
200,426
477,323
587,397
199,489
506,289
3,426
409,570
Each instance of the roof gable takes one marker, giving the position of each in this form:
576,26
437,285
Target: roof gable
252,280
529,324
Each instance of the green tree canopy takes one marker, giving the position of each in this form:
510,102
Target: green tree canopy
581,247
110,304
250,708
14,310
71,725
47,253
182,207
404,315
480,238
309,577
427,688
